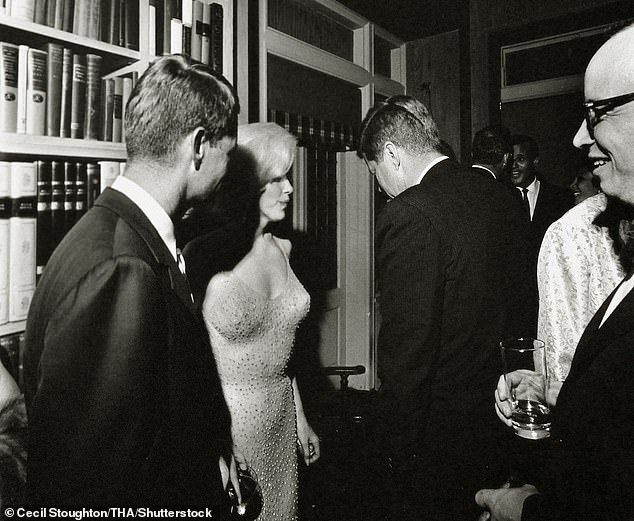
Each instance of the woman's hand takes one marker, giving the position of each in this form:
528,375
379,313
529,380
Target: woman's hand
307,441
229,470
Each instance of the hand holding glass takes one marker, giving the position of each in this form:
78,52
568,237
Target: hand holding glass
526,380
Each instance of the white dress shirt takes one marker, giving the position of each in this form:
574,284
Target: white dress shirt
152,210
533,192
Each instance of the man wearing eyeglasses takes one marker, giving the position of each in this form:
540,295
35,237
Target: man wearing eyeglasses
449,255
588,466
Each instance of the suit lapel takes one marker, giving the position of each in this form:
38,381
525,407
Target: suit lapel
138,221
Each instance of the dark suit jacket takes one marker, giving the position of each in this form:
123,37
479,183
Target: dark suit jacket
552,202
124,401
449,263
588,471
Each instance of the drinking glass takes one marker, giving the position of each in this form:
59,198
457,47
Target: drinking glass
526,378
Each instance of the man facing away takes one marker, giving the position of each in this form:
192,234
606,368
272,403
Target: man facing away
492,151
448,253
123,398
588,467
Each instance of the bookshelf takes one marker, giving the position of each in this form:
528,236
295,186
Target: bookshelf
12,145
12,328
127,58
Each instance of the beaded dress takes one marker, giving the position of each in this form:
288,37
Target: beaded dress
252,338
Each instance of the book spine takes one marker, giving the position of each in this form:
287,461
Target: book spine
94,19
69,13
50,12
152,37
108,172
93,184
39,16
22,237
58,15
9,55
70,194
215,44
81,17
187,14
78,97
23,9
169,12
122,24
187,40
36,92
80,190
93,87
127,91
205,40
57,203
43,244
66,93
107,103
197,30
132,25
114,21
5,215
176,31
23,56
117,112
55,54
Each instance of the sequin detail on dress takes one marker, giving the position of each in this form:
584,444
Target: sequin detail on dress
252,339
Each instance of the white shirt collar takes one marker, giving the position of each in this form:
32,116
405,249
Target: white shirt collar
430,166
486,169
532,188
151,208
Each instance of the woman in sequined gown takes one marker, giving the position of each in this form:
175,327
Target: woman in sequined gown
251,313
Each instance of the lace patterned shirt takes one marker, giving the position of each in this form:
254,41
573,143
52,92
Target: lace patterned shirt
576,271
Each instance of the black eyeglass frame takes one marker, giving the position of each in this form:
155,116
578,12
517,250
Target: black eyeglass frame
595,110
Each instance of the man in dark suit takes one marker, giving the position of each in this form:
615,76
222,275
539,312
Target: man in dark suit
587,471
124,401
547,202
448,253
543,204
491,151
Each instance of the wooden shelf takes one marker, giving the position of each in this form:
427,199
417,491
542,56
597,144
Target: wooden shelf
12,327
20,31
45,146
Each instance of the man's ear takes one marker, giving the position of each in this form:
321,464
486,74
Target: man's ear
391,153
198,149
536,162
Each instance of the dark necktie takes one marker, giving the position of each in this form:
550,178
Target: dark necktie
527,205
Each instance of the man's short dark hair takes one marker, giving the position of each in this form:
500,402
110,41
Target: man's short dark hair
523,139
173,98
401,119
491,144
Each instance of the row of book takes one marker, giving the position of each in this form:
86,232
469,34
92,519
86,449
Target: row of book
190,27
39,202
111,21
56,92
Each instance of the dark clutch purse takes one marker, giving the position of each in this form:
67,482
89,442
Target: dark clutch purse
251,505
